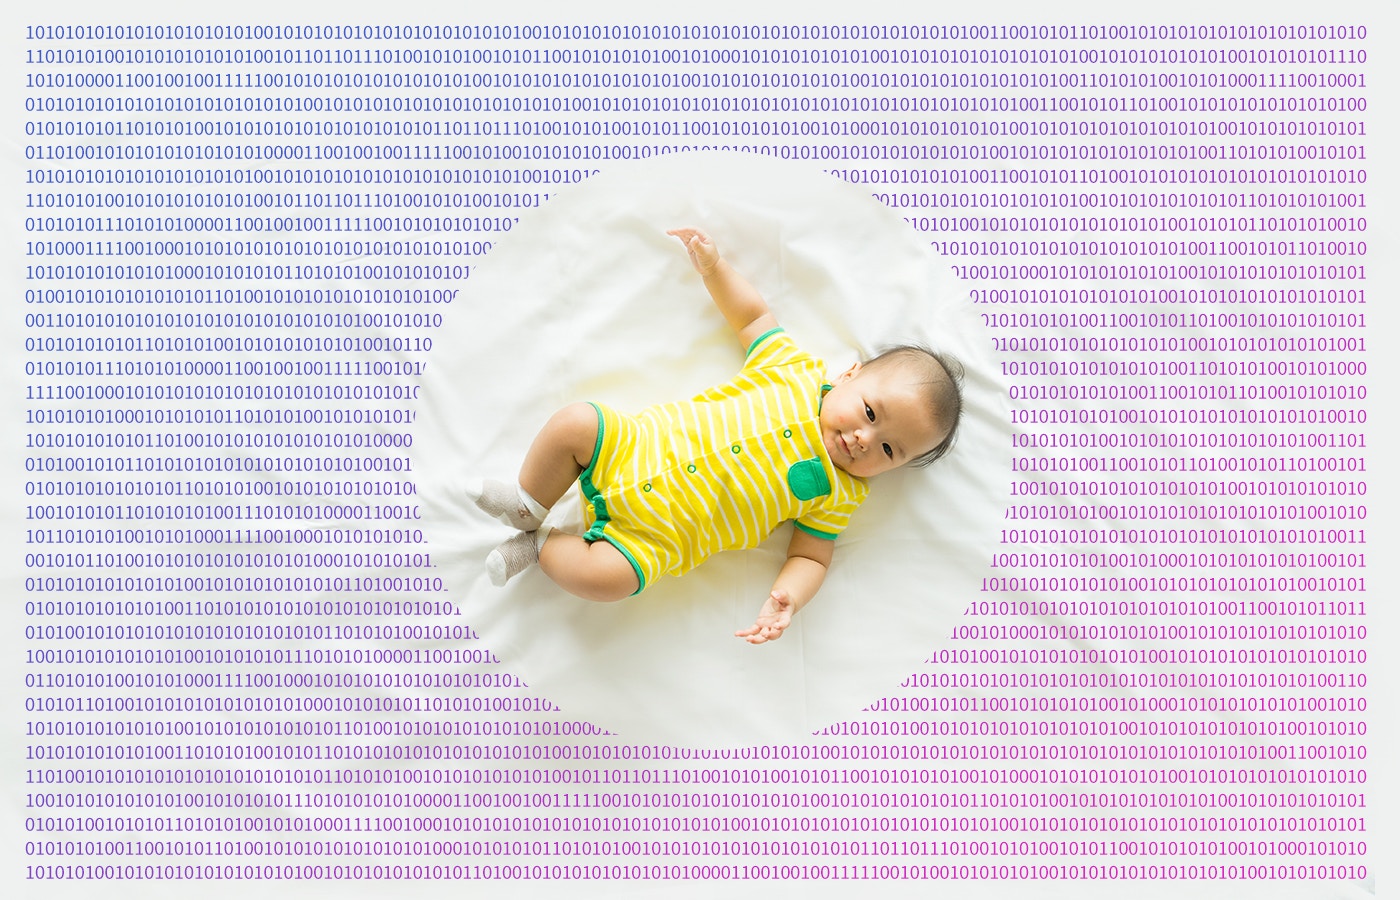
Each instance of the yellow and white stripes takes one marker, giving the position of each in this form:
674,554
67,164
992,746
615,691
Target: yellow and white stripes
681,481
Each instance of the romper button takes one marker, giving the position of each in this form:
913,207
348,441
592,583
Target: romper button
690,468
647,486
735,448
787,432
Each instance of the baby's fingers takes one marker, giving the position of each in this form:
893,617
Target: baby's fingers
701,246
749,632
759,634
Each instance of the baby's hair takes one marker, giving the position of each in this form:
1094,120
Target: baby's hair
941,377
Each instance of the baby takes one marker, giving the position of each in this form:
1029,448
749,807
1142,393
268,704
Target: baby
668,487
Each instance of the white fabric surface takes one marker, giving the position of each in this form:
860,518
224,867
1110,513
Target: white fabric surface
589,299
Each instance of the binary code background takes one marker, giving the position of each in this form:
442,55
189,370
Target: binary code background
239,665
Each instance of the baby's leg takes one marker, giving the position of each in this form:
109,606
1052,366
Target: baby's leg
596,571
555,459
560,452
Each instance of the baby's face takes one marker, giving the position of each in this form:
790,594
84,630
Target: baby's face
875,419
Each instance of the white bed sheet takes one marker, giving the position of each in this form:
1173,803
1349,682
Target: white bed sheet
589,299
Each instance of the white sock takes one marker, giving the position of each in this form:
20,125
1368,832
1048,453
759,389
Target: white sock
508,503
535,508
515,555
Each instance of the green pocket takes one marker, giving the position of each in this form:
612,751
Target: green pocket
807,479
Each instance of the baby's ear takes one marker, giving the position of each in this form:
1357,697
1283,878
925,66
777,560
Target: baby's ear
848,374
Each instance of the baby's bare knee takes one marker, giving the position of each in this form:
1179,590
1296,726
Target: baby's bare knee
603,592
576,427
575,415
597,571
599,580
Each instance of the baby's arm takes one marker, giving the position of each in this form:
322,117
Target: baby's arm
808,558
741,304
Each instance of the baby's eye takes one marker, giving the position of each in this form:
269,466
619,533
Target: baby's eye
869,413
888,451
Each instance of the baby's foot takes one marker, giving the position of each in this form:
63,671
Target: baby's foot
506,502
512,557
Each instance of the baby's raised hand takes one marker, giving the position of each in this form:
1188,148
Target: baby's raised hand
773,619
704,255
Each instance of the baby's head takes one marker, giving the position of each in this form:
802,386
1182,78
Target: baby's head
900,408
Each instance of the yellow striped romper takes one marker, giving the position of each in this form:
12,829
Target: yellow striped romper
680,481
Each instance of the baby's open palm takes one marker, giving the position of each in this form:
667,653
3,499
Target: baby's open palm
773,618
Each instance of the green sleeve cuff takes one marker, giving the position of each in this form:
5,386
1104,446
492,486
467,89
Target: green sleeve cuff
824,535
760,339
